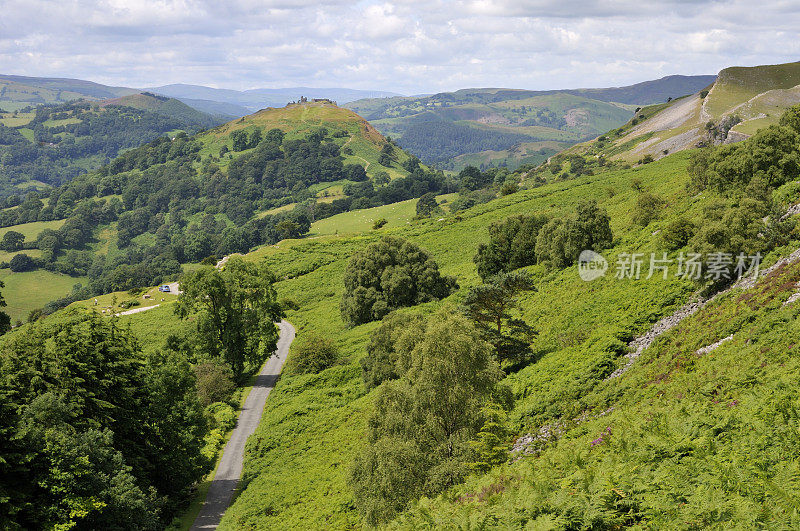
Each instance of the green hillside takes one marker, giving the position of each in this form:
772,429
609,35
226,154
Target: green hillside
171,107
52,144
641,400
740,102
673,439
18,92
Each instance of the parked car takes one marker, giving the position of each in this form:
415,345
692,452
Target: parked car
164,288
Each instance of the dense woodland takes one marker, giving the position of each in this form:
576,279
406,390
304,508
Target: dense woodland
453,139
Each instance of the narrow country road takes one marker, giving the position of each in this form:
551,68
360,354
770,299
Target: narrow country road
229,471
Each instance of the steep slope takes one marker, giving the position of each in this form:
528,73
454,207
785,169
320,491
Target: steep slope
741,101
699,432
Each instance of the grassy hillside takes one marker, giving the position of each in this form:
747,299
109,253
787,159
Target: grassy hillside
298,460
298,120
706,437
299,457
171,107
740,102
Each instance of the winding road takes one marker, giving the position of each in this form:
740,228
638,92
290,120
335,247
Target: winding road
222,488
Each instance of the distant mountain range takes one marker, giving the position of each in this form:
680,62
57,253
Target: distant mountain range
17,92
248,101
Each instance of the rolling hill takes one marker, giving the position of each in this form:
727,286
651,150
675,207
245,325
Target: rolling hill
180,199
741,101
171,107
648,401
54,143
477,126
18,92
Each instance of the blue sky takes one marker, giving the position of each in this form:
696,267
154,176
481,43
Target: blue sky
406,46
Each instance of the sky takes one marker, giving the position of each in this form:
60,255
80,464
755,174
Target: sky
405,46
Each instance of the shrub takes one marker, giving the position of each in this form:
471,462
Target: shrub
214,382
561,240
313,354
22,262
221,418
791,118
678,233
508,188
427,205
12,241
288,304
648,208
390,274
512,244
397,334
379,223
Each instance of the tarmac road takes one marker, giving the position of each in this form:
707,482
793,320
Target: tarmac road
229,471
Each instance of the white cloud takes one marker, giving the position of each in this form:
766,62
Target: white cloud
408,46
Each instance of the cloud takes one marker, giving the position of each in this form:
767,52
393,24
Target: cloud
408,46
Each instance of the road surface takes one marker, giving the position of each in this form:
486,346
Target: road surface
229,471
136,310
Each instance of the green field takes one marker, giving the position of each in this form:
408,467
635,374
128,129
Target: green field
31,290
396,215
32,230
9,120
